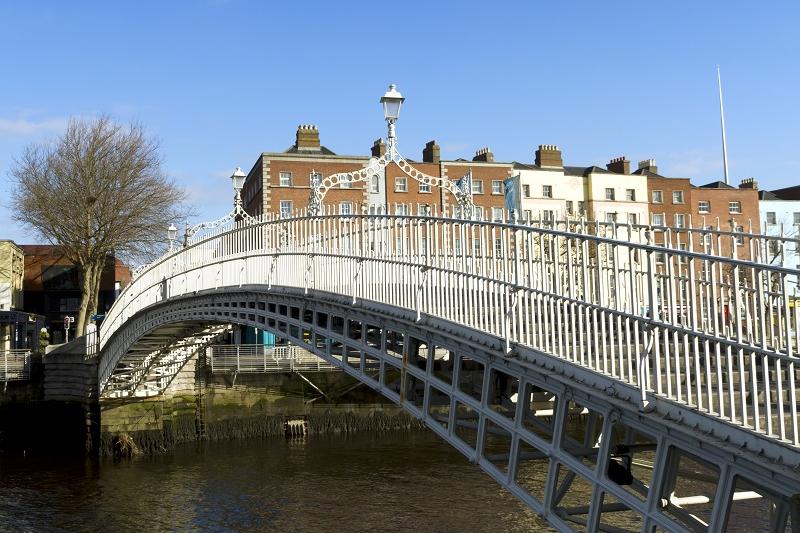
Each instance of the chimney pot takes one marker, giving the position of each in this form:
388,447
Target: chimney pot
307,138
484,154
619,165
430,154
378,148
548,155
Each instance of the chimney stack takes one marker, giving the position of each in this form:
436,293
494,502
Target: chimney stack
749,183
649,165
485,155
548,155
619,165
378,148
307,137
430,154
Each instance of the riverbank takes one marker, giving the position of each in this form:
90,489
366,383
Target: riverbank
196,405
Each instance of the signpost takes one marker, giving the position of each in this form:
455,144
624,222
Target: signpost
67,321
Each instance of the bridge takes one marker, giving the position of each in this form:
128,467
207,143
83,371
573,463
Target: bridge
607,382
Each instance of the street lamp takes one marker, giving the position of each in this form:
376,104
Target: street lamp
172,233
392,100
238,178
237,215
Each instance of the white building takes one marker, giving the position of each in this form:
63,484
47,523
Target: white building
779,212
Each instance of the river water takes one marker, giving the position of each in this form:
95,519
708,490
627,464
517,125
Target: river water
363,482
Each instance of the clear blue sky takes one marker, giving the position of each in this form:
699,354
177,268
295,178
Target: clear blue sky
219,81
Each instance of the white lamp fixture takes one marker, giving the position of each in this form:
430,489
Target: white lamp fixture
392,100
172,232
238,178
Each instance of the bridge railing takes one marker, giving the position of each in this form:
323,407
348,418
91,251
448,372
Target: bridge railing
15,365
717,333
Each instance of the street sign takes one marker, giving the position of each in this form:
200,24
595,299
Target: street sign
98,317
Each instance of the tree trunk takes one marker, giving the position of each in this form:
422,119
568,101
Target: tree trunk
90,286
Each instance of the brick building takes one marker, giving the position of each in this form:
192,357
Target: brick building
280,182
676,203
52,285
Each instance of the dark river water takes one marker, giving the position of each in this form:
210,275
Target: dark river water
364,482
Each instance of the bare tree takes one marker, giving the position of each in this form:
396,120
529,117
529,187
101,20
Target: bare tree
97,190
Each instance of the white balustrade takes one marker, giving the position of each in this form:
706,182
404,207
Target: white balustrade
675,319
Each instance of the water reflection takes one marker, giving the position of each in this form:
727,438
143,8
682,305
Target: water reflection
365,482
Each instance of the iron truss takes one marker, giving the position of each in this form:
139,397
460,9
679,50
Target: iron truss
654,383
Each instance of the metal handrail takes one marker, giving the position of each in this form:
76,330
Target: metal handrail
717,333
15,365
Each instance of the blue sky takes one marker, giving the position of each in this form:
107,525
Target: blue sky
219,81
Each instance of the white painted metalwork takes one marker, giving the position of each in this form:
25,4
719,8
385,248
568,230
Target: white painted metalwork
392,100
262,359
15,365
686,342
715,333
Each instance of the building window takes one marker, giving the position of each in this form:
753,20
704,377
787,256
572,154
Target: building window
631,218
677,197
374,184
630,195
424,210
497,214
498,247
735,208
680,221
528,215
497,186
286,208
346,182
796,218
547,191
609,194
581,207
457,247
424,187
611,217
526,191
400,209
548,215
400,184
774,247
285,179
570,205
703,206
346,208
315,178
658,219
477,186
739,238
658,197
771,218
478,213
476,246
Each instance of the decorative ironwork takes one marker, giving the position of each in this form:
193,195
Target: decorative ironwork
376,166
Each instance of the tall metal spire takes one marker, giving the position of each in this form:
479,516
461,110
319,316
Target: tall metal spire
722,123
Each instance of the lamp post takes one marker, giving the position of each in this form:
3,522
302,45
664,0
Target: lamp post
238,178
238,214
172,233
392,100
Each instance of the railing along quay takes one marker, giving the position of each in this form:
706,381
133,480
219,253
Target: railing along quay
15,365
262,359
717,333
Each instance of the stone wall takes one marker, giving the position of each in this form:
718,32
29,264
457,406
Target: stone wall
200,406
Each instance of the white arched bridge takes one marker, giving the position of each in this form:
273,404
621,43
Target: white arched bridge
608,382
